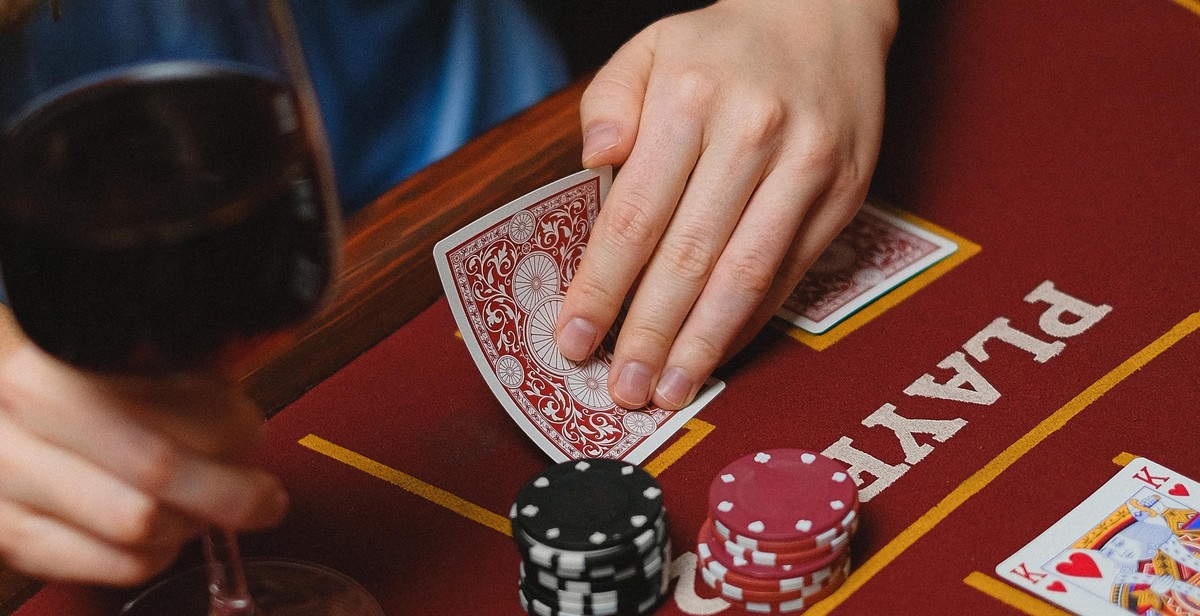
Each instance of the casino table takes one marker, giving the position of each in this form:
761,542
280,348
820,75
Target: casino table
1059,142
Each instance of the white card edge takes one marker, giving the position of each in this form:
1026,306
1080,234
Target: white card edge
708,392
460,316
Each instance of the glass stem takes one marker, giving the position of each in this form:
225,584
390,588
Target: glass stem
228,595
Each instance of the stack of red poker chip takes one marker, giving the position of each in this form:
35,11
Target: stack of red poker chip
779,528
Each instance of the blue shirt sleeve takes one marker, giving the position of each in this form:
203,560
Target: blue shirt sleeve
404,83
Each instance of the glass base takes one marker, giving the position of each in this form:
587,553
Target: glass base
279,587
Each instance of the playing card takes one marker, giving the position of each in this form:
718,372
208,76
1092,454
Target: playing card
1133,546
876,252
505,276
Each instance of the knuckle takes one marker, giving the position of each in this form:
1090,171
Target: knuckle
818,147
853,177
694,91
752,275
688,257
629,219
13,395
647,336
761,121
157,467
591,292
138,520
704,351
609,80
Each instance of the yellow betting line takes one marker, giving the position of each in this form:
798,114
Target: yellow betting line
1011,596
696,430
1001,462
427,491
966,250
1191,5
1014,597
1124,458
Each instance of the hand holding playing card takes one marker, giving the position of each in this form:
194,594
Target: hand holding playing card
505,275
747,132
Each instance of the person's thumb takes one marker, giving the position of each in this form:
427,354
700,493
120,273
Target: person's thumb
611,106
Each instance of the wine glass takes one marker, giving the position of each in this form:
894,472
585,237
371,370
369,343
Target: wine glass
167,207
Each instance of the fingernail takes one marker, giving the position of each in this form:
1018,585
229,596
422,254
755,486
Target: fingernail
576,339
600,138
675,387
633,385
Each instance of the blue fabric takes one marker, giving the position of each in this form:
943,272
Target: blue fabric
94,39
401,83
404,83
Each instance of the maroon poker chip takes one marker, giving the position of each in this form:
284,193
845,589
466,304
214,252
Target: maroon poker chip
790,606
827,540
762,552
708,568
758,557
711,548
732,592
782,495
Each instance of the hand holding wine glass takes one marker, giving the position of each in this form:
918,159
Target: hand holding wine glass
108,478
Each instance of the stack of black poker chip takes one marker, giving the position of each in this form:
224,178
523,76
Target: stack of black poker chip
594,540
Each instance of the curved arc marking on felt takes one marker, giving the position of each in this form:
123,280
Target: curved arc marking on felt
966,250
1011,596
986,474
696,431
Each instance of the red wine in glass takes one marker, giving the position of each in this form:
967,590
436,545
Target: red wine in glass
102,275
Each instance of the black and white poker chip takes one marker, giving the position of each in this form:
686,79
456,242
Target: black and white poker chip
594,539
588,504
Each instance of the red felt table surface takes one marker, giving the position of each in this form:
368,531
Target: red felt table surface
1062,138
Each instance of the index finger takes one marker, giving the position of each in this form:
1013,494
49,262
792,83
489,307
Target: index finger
630,223
128,433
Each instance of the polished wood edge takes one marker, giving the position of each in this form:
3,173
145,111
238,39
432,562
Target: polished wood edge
388,273
15,590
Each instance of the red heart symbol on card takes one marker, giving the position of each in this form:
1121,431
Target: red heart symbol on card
1056,586
1179,490
1079,565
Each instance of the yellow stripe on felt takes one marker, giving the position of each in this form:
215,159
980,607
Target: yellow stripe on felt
696,431
1191,5
966,250
429,492
1011,596
1124,458
985,475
